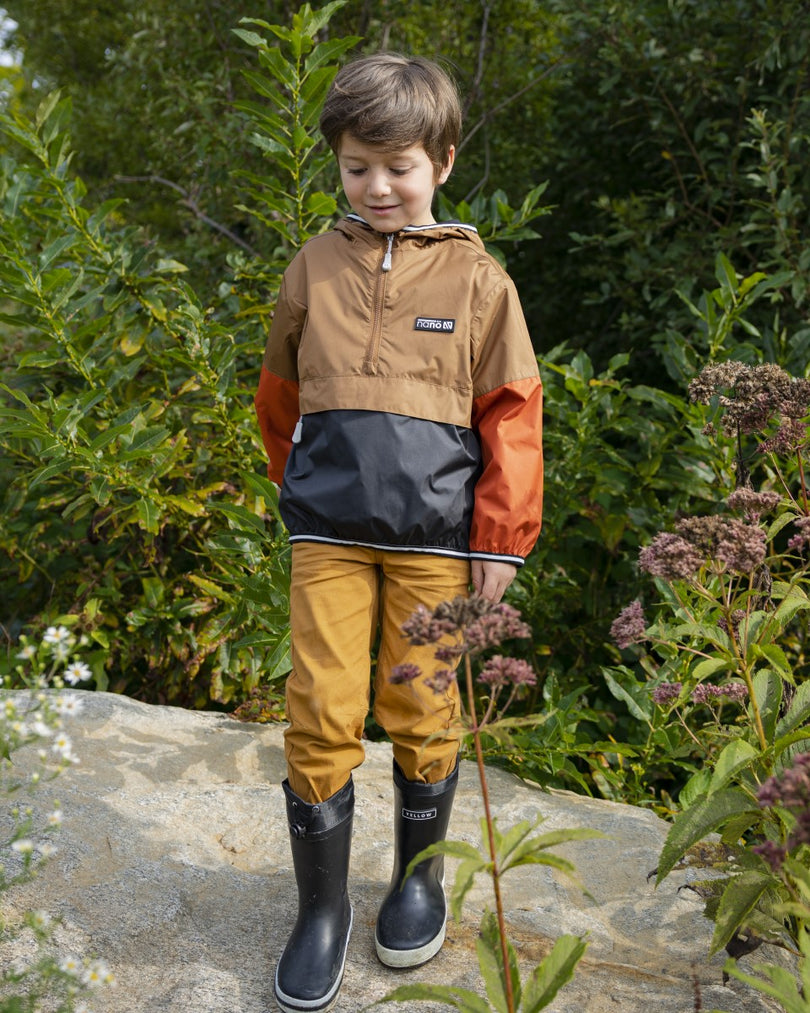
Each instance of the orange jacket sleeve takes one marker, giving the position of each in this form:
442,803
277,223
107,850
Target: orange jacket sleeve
509,494
276,405
276,399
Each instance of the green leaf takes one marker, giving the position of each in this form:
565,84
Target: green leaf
705,815
711,666
638,699
148,514
251,38
797,712
490,963
211,588
768,694
459,998
735,756
465,876
777,657
739,897
555,971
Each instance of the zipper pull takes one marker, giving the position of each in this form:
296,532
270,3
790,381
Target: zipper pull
296,436
386,264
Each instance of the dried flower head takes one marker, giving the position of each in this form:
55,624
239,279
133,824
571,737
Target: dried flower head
441,680
799,542
405,673
753,398
737,617
740,547
666,692
790,436
671,557
629,626
790,790
706,692
500,671
752,505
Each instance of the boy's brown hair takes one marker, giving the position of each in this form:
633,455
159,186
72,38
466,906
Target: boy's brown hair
393,101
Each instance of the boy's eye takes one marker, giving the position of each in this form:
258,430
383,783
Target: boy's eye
399,172
355,172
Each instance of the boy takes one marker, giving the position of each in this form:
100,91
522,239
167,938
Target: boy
400,406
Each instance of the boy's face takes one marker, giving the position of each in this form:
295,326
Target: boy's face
390,189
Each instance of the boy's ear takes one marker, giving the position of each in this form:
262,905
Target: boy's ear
444,172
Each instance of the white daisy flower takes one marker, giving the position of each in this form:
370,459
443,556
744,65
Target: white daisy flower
28,652
64,747
41,920
78,671
70,965
42,730
55,818
57,635
70,705
60,651
97,973
24,846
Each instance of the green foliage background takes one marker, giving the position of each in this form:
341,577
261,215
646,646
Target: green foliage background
149,209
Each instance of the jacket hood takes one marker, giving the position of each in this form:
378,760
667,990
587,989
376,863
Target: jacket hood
358,228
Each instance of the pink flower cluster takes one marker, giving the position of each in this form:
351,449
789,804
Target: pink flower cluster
500,671
734,544
704,692
800,542
466,626
629,626
789,790
753,397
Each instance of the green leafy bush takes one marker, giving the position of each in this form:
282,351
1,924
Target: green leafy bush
136,509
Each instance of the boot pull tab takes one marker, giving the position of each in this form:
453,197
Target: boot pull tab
386,264
297,829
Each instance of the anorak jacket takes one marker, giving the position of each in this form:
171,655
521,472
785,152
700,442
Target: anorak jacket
399,401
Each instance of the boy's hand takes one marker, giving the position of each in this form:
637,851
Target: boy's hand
490,578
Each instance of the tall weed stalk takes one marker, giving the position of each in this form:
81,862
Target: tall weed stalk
463,630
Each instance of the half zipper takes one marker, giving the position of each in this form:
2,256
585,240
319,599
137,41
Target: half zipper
372,356
386,264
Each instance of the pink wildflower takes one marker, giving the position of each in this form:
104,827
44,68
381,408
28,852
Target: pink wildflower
501,671
629,626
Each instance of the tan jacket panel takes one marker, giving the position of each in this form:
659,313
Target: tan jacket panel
442,327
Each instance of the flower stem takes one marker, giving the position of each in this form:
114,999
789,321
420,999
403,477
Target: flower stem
496,873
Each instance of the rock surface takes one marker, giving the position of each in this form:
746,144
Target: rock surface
173,866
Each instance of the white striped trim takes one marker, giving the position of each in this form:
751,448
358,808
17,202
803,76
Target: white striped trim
432,550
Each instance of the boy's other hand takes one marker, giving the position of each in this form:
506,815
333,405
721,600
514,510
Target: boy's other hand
490,578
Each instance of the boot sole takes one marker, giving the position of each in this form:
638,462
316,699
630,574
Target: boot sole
411,958
291,1004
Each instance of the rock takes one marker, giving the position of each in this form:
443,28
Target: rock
173,866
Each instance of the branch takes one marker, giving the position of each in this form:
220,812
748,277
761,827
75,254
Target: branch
491,113
188,201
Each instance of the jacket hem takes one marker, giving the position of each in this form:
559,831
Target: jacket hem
432,550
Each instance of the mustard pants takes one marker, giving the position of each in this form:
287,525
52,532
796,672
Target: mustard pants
340,597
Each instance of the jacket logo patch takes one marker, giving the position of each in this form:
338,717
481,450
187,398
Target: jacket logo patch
419,814
434,324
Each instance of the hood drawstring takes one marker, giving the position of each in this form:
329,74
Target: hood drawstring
386,264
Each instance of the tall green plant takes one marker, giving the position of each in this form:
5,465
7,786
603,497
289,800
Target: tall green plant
465,629
731,625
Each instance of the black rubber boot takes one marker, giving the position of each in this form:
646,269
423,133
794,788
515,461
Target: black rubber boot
310,970
412,919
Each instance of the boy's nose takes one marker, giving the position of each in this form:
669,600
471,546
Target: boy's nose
378,184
